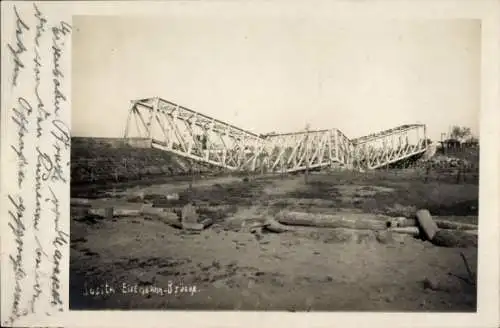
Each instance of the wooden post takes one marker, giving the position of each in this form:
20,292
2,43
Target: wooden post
191,170
458,175
263,162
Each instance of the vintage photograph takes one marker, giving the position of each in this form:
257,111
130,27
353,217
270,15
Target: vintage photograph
274,163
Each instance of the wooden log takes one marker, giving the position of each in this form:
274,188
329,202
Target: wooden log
461,232
426,224
442,224
445,224
127,212
355,221
414,231
407,223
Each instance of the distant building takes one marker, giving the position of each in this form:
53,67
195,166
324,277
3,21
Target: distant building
451,144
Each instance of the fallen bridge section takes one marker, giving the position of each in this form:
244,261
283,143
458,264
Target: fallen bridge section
389,146
198,137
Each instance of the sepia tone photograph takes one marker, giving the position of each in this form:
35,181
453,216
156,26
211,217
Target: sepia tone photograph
265,163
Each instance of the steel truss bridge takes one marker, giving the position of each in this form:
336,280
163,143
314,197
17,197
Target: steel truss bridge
176,129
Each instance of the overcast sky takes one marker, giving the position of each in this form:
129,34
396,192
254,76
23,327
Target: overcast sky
266,74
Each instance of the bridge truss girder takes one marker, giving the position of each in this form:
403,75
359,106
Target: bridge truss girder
390,146
198,137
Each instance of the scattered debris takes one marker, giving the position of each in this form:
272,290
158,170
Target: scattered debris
189,215
396,222
167,217
274,226
400,210
256,228
384,237
189,218
447,162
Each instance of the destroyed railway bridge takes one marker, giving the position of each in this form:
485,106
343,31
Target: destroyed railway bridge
164,125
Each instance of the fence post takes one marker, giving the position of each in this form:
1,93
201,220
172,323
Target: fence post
458,174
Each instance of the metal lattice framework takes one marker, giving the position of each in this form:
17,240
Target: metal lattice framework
185,132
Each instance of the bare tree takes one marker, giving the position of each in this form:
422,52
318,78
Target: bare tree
473,139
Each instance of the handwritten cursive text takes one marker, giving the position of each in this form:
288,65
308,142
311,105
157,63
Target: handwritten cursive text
59,241
43,114
18,229
21,26
20,119
57,43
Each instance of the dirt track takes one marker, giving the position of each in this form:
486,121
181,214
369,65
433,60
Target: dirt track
311,269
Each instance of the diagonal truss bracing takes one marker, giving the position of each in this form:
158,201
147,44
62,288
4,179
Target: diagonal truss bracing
389,146
196,136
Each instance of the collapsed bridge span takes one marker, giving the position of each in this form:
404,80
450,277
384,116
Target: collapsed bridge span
193,135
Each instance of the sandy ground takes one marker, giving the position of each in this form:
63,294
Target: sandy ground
133,262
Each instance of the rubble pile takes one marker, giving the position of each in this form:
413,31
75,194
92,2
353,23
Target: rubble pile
447,162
